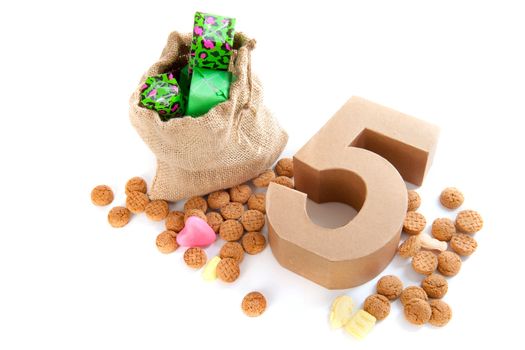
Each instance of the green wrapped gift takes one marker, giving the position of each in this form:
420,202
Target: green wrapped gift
208,88
161,93
212,43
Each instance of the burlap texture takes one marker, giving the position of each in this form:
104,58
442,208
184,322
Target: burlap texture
232,143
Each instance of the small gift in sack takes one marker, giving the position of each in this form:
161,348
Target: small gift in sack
233,142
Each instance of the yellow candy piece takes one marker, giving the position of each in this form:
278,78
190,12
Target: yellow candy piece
209,273
341,311
361,324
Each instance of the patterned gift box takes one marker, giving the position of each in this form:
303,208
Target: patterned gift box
212,42
161,93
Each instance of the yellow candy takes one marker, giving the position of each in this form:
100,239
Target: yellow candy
341,311
209,273
361,324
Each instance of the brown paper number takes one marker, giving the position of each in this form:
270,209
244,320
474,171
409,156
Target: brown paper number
359,157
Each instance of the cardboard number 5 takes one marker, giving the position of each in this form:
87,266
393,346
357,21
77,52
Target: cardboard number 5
359,157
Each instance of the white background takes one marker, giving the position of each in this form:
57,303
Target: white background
70,281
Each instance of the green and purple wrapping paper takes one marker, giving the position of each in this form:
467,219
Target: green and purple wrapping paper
161,93
208,88
212,43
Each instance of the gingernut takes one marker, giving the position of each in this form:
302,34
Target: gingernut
102,195
195,212
284,167
232,210
218,199
263,180
410,247
175,221
195,257
157,210
167,242
451,198
378,306
412,292
119,216
232,250
390,286
252,220
469,221
435,286
253,304
414,223
441,313
240,193
449,263
463,244
424,262
228,270
283,180
253,242
443,229
196,202
414,200
136,184
417,311
136,202
257,201
214,220
231,230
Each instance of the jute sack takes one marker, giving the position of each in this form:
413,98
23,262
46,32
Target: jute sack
232,143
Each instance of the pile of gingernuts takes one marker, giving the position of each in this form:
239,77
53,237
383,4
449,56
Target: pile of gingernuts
437,257
236,214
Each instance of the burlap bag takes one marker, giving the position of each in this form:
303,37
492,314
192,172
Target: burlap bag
232,143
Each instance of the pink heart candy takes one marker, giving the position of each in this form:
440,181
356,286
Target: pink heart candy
196,233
